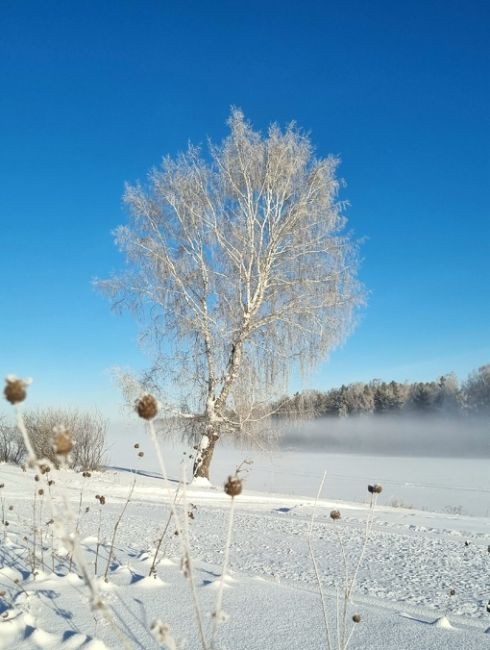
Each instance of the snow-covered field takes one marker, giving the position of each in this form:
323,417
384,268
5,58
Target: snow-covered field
413,559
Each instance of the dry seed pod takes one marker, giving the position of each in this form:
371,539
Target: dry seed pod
335,514
102,500
141,454
136,445
62,443
375,489
146,407
15,389
356,618
233,486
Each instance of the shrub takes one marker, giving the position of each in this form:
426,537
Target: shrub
88,430
12,449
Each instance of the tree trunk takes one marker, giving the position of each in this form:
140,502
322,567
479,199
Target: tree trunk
204,456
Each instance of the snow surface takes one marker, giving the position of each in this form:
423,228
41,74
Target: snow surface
412,561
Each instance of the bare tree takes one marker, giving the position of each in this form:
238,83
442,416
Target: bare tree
241,270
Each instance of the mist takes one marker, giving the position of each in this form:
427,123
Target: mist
467,437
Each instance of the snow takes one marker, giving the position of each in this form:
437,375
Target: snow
413,559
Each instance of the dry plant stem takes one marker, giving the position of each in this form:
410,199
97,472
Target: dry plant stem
315,565
31,456
226,557
98,541
341,638
116,526
34,531
350,585
183,543
337,610
162,536
41,541
77,527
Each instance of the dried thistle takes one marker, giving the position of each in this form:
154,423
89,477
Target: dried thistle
146,407
233,486
375,489
15,389
62,442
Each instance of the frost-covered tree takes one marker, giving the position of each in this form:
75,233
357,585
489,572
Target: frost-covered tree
477,390
241,269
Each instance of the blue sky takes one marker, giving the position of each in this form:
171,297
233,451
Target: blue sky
93,94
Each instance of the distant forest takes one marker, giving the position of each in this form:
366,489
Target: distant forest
445,396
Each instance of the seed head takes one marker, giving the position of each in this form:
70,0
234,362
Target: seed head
102,500
141,454
40,492
452,592
375,489
335,514
356,618
233,486
62,442
136,445
146,407
15,389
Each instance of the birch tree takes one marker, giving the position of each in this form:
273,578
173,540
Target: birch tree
241,270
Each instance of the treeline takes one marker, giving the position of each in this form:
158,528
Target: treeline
445,396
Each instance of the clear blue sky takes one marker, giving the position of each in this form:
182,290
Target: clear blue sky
94,93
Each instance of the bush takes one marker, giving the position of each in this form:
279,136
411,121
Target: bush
87,429
12,449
